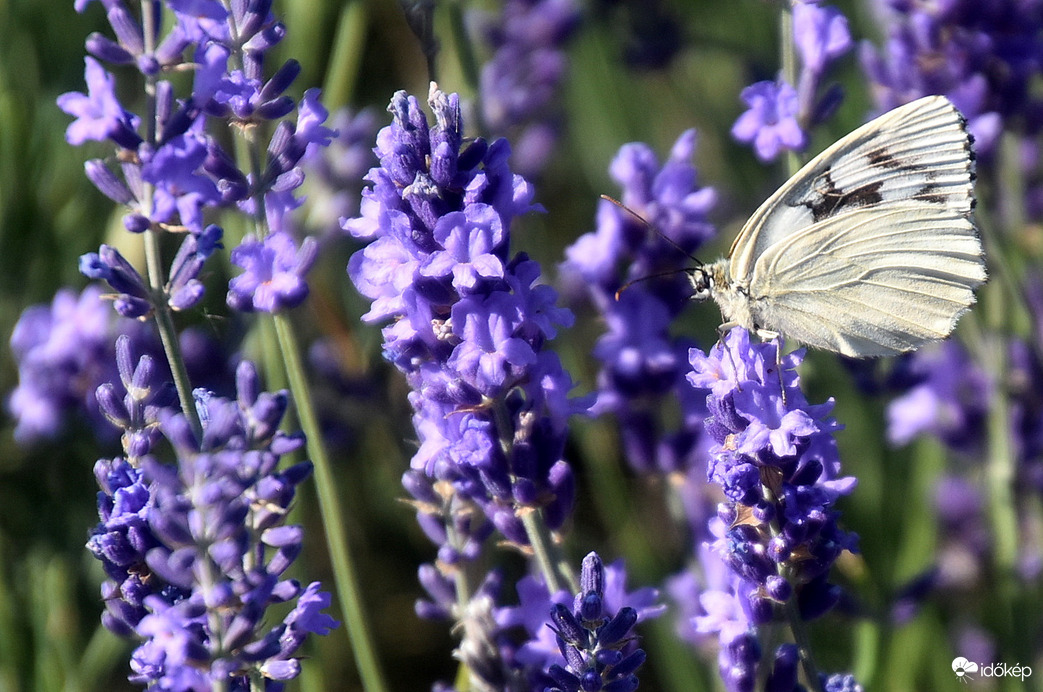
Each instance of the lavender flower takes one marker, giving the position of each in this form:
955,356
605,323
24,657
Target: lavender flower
541,648
185,168
274,276
771,124
196,553
145,395
641,363
59,349
776,462
490,403
335,173
519,84
781,114
64,351
599,650
133,297
99,115
983,56
948,399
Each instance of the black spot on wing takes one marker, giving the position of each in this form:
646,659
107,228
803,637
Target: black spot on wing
882,158
827,199
931,194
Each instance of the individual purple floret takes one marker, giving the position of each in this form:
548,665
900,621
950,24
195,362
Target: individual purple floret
99,114
133,297
196,553
146,393
771,124
273,279
776,461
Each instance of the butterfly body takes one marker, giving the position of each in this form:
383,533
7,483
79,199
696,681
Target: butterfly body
870,249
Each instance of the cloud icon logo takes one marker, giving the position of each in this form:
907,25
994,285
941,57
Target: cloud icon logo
963,668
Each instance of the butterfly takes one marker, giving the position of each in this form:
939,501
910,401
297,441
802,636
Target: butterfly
870,249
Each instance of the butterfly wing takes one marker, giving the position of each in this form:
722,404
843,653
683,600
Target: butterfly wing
917,151
870,281
869,249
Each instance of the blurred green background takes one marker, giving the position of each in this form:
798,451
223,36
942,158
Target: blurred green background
361,51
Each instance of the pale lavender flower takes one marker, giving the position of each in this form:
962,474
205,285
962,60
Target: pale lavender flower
641,362
196,553
273,279
99,115
781,114
820,33
470,325
948,399
771,124
63,351
335,173
519,85
984,56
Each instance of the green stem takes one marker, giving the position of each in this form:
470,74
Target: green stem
803,642
1001,466
333,516
548,558
339,85
154,261
168,333
788,61
796,624
546,553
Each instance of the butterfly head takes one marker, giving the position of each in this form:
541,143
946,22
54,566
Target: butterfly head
701,278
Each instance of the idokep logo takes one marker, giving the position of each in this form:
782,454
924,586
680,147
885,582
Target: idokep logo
966,670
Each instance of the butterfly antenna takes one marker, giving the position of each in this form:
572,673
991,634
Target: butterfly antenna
657,275
643,221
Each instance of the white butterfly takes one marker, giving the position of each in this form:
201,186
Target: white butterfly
869,250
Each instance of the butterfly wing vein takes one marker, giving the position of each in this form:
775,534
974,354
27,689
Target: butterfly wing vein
870,281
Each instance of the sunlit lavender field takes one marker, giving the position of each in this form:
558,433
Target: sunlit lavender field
352,346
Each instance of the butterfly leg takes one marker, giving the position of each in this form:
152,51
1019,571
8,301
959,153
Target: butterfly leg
722,331
768,335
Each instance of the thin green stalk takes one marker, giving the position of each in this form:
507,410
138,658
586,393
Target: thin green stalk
546,553
788,61
1001,465
168,333
555,570
333,516
797,625
339,85
154,261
